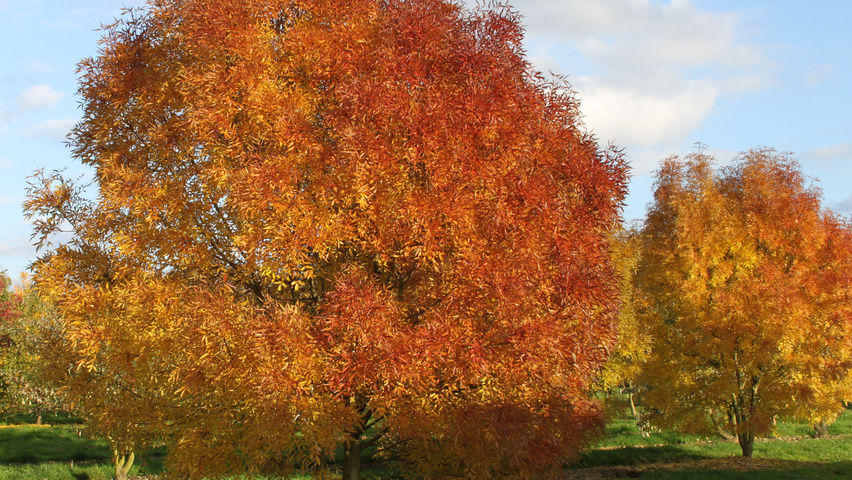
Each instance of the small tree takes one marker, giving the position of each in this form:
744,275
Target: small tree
22,317
747,282
10,314
362,224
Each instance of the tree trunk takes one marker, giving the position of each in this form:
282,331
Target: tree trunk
38,418
632,406
123,464
352,459
728,437
746,440
821,429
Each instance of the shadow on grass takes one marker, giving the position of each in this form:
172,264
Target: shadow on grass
718,461
637,456
32,452
774,471
30,444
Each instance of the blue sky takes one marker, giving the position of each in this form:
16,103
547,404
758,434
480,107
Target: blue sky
653,77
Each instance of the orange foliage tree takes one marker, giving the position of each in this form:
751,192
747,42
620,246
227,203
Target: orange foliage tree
746,288
322,224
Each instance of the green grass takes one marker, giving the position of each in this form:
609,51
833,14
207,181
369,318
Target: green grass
29,452
790,453
808,449
623,432
57,471
50,418
842,426
829,471
37,444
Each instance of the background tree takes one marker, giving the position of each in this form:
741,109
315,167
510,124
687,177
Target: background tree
22,318
365,224
633,344
10,314
747,285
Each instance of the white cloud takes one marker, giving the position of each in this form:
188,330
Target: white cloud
5,163
819,73
37,65
844,207
660,33
648,73
842,151
5,118
17,247
56,128
38,96
644,118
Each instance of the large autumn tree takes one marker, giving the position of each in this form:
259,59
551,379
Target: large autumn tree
316,224
746,282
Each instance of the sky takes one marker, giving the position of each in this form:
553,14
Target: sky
654,78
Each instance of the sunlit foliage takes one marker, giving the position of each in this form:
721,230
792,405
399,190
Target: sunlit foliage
633,344
323,223
747,283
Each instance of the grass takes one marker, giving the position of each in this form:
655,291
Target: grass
759,471
30,452
791,453
59,451
36,444
49,418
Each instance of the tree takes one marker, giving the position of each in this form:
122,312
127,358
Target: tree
633,344
22,317
10,313
321,224
746,282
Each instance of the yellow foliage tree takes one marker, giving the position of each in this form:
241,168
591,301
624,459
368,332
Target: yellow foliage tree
747,285
633,344
23,318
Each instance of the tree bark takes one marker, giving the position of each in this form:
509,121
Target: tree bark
746,440
725,435
821,429
352,459
632,406
123,464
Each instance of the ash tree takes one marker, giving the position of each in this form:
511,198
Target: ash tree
23,316
745,283
323,224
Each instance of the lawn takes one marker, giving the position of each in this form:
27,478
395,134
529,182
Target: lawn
791,453
59,451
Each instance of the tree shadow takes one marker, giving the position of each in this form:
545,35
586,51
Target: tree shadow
628,456
766,470
27,445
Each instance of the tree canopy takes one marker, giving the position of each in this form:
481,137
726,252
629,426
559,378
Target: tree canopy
745,280
322,223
